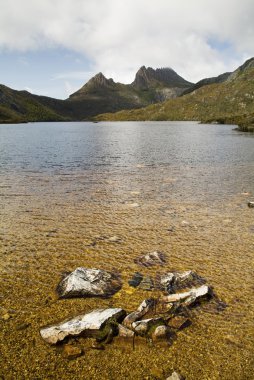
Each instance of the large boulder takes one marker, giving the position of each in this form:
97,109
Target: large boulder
87,325
84,282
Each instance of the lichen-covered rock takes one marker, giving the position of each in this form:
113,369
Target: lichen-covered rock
84,282
143,309
87,324
151,259
190,297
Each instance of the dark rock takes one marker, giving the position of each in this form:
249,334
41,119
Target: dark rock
87,325
135,280
85,282
251,204
23,326
179,322
151,259
146,284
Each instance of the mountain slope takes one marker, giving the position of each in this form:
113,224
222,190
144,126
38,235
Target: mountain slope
229,101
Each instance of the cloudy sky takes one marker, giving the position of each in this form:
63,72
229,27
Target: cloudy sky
52,47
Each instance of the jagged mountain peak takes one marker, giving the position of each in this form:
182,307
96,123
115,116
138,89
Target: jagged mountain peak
148,77
97,82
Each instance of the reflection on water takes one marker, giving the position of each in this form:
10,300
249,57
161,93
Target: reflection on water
66,187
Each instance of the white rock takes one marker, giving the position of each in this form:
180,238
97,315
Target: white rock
88,282
161,332
189,297
151,259
86,323
175,376
177,280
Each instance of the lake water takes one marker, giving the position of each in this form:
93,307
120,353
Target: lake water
178,187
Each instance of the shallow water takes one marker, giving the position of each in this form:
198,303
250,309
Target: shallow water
67,187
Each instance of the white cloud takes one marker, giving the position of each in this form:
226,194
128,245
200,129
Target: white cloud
119,36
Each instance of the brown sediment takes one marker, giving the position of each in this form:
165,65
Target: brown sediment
50,232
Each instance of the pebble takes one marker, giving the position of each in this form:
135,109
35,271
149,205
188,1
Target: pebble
251,204
72,352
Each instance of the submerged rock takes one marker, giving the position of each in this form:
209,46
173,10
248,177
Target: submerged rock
86,324
146,284
142,310
142,327
190,297
124,332
72,352
84,282
160,332
151,259
174,281
135,280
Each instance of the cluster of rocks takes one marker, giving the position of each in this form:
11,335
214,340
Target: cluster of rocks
147,321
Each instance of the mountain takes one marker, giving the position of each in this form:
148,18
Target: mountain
204,82
229,99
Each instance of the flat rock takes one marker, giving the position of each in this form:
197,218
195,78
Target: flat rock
86,324
190,297
151,259
141,311
84,282
173,281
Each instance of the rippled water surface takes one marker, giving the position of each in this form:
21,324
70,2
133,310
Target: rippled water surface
182,188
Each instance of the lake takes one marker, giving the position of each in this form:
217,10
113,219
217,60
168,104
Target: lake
177,187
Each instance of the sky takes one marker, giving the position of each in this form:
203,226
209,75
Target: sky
53,47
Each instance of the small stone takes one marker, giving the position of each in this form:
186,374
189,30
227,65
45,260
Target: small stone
251,204
185,223
133,205
135,280
98,346
160,332
124,332
22,326
175,376
151,259
179,322
6,317
146,284
143,327
173,281
72,352
114,239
